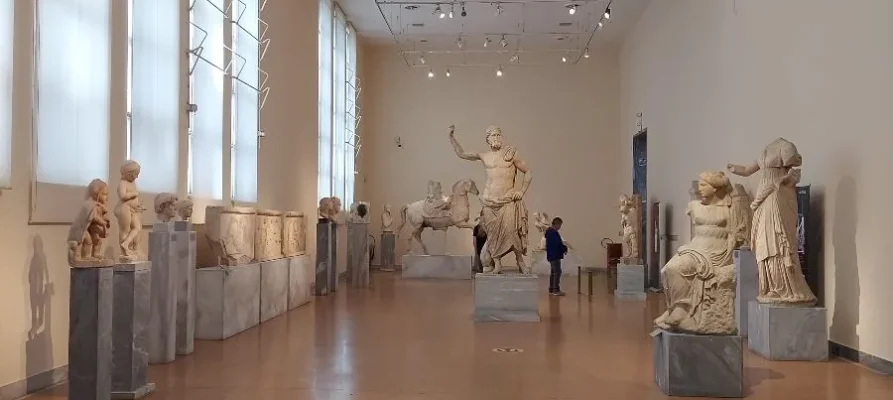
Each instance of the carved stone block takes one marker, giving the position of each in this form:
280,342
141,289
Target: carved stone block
788,333
698,365
273,288
747,286
630,282
506,297
300,279
268,235
228,301
230,232
293,234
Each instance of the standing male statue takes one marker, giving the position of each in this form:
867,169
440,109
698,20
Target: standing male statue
504,216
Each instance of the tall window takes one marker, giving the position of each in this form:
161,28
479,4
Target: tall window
207,68
154,92
6,40
245,100
72,103
337,108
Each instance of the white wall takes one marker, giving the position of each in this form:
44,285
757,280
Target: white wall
34,257
717,82
562,119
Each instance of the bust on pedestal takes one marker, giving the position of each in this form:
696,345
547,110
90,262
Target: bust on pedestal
358,245
327,246
388,240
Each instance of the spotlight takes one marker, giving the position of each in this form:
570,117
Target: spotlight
460,43
487,41
499,71
452,7
499,9
503,42
608,13
515,59
601,24
464,14
586,53
448,73
571,8
437,10
430,73
564,59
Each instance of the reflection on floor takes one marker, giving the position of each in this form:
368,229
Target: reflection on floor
415,340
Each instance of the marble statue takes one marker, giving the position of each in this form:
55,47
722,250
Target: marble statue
184,209
456,214
773,237
542,222
231,234
129,211
359,212
292,234
166,207
699,281
90,227
742,218
630,224
436,204
504,213
268,235
329,208
387,220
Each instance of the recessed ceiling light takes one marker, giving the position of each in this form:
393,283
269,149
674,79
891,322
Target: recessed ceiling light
565,24
411,7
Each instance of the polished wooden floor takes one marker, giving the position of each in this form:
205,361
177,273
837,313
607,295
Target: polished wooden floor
406,339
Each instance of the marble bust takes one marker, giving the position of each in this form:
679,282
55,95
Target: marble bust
329,208
90,228
387,220
699,281
129,211
165,207
184,209
773,236
504,216
359,212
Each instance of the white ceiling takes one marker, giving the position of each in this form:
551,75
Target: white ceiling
531,27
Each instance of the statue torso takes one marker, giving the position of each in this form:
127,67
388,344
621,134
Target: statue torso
501,171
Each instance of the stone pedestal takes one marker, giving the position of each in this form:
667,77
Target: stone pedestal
300,279
747,286
437,267
167,261
388,244
326,249
506,298
358,254
90,333
228,300
130,336
788,333
186,244
698,365
273,288
630,282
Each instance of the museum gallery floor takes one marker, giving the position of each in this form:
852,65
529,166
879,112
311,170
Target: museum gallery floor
414,339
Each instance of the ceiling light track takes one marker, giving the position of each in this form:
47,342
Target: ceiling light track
606,16
489,2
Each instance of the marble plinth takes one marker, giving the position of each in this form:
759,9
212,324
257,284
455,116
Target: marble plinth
436,267
167,261
228,300
130,335
747,286
388,244
326,275
90,333
506,298
630,282
273,288
788,333
698,365
358,254
569,265
300,279
186,248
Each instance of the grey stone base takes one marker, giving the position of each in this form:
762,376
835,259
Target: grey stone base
136,394
228,300
130,323
358,254
436,267
506,298
786,333
698,365
273,288
630,282
300,279
90,333
388,244
747,286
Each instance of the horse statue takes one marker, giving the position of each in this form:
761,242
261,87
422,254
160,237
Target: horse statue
453,211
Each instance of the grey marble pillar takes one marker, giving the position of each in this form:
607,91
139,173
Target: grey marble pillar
358,254
748,285
166,261
326,248
90,333
186,250
130,338
388,243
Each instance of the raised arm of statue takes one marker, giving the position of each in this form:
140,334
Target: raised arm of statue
458,148
743,170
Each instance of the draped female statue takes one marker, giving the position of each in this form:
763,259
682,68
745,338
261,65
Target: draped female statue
773,237
699,281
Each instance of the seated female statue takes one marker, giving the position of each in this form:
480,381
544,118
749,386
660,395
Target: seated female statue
699,281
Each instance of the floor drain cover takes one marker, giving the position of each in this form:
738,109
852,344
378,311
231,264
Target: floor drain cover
507,350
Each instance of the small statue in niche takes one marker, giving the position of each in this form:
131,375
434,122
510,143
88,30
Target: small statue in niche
629,224
165,207
184,209
90,227
387,219
129,212
359,212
